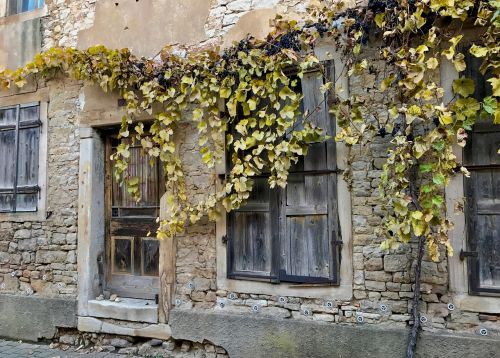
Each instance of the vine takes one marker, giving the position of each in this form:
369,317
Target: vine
251,82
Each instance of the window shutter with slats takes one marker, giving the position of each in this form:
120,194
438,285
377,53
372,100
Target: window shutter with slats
291,234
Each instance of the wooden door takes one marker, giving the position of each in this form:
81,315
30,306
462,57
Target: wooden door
132,256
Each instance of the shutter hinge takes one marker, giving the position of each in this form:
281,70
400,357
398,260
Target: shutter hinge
464,254
224,239
338,243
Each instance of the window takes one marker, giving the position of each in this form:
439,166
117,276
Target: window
133,261
482,192
292,234
19,155
18,6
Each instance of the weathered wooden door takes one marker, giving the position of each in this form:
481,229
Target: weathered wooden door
133,256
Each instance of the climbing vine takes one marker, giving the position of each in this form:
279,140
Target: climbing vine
246,101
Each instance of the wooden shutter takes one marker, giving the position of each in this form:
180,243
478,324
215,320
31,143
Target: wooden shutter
253,235
27,158
292,235
482,191
19,152
309,220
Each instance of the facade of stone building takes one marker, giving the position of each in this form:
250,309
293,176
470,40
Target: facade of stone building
66,237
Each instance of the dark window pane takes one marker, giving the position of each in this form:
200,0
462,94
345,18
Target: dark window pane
6,202
28,114
26,202
27,159
8,116
12,7
150,257
7,158
122,256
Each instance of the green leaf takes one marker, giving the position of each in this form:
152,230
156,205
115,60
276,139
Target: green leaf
425,168
438,179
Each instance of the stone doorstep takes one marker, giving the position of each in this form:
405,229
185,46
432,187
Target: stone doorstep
128,309
95,325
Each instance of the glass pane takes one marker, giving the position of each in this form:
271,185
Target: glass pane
28,5
28,114
150,257
26,202
122,256
7,159
6,202
7,116
27,167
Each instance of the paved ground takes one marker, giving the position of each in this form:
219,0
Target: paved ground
11,349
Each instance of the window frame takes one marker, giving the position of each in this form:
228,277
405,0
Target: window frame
42,97
17,126
458,269
324,50
38,4
278,216
470,214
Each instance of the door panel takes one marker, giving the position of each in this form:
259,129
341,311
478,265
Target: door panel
132,249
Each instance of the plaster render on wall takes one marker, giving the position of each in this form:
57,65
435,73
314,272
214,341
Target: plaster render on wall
127,23
19,42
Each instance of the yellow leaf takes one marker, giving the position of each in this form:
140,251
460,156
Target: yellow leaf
478,51
495,84
432,63
379,19
464,86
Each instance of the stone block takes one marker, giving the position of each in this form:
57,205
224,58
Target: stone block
275,312
374,264
375,285
47,257
395,263
127,310
22,234
27,244
32,318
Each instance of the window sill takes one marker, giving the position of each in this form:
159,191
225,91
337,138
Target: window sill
24,16
478,303
339,292
22,216
128,309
